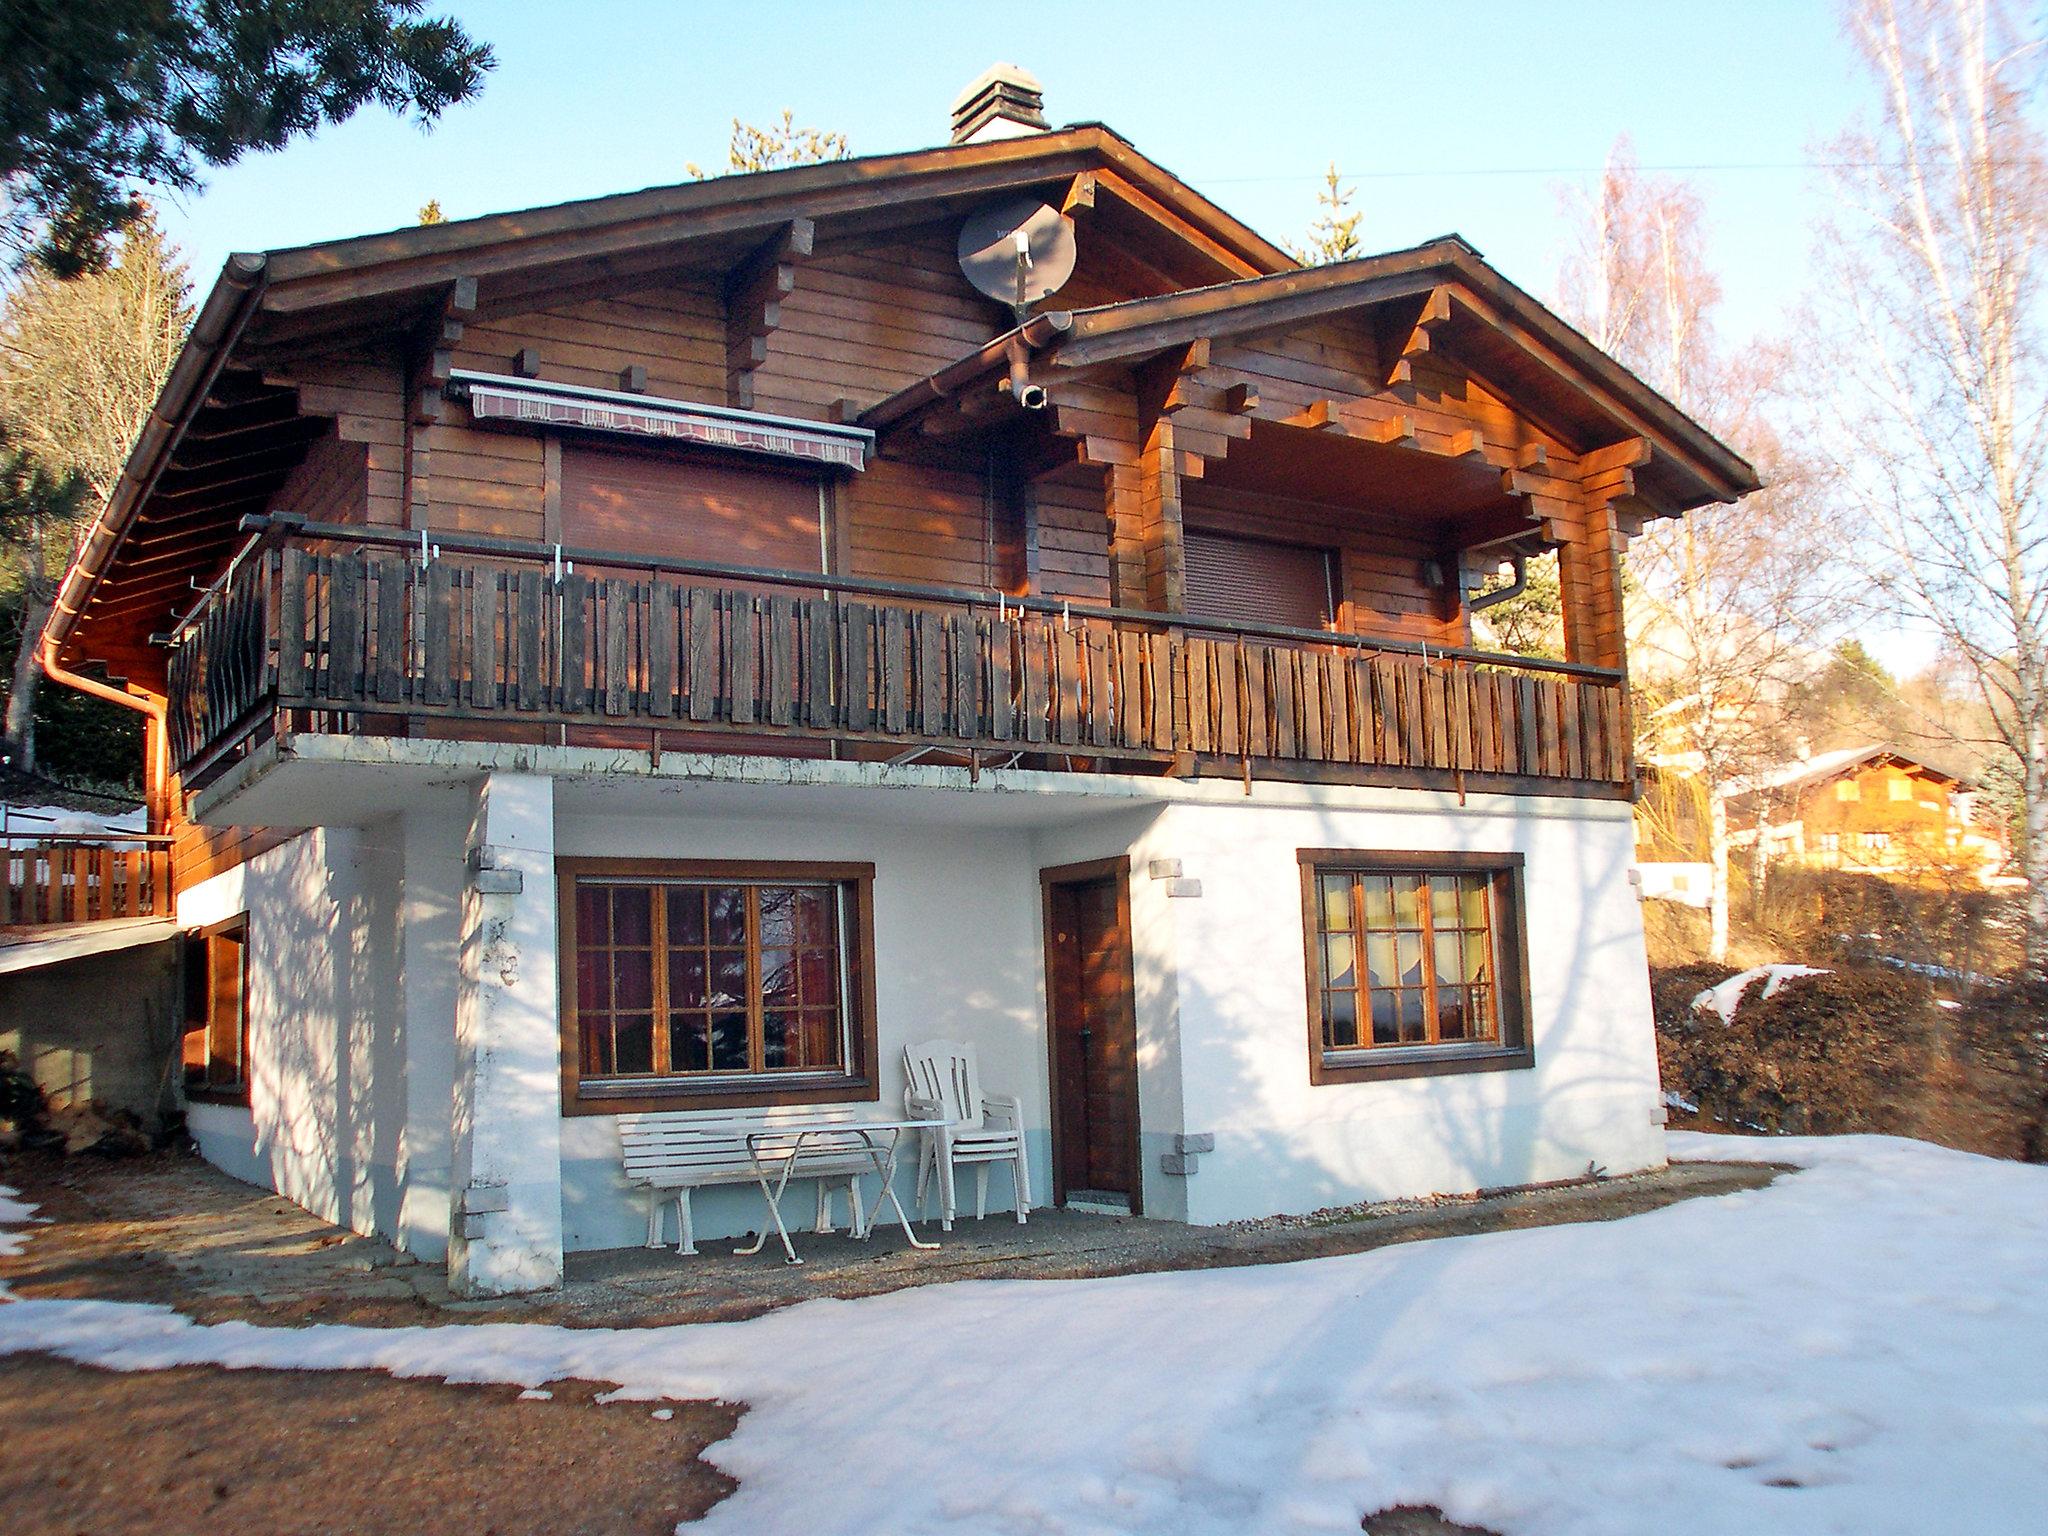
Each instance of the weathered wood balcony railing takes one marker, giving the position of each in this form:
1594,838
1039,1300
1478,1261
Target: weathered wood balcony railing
370,625
67,880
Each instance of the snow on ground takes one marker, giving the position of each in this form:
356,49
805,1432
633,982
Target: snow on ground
1861,1348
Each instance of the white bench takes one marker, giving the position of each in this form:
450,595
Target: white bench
674,1152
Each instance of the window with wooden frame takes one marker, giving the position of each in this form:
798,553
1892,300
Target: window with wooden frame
216,1023
1417,963
728,984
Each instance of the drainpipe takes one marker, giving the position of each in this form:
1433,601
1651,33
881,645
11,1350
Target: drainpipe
1514,589
154,711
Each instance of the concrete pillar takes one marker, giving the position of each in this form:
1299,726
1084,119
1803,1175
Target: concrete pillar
506,1223
430,961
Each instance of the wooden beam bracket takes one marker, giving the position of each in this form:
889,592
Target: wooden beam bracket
754,292
1436,309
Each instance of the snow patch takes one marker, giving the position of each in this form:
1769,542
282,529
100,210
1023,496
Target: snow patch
1861,1346
1726,997
28,822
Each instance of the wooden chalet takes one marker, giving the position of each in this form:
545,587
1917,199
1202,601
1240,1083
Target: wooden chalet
743,499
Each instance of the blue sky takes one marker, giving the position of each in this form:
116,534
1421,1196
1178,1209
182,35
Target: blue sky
1460,117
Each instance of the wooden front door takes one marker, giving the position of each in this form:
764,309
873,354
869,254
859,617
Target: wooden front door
1094,1030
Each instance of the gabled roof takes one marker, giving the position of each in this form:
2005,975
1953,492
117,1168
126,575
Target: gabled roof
1823,766
511,253
1522,344
282,300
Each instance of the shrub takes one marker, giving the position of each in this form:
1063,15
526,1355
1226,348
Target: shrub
1840,1052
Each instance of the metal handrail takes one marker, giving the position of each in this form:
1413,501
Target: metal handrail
284,525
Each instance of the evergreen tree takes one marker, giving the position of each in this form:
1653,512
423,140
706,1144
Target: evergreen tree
1334,234
101,98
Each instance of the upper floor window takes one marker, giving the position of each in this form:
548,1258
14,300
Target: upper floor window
692,508
729,979
1901,789
1848,789
1256,581
1415,962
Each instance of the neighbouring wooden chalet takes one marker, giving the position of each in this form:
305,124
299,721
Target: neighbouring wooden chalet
1872,810
678,648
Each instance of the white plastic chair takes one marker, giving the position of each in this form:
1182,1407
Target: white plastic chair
945,1085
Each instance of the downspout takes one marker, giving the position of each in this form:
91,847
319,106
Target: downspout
218,327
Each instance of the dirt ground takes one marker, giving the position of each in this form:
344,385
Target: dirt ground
273,1453
280,1453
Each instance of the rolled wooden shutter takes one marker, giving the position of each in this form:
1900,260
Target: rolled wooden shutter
690,509
1254,581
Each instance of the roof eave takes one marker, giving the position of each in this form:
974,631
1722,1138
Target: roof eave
224,315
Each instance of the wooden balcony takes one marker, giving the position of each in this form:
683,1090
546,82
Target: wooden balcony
55,881
327,628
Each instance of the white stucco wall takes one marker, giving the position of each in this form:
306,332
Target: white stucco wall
327,1097
355,956
1284,1144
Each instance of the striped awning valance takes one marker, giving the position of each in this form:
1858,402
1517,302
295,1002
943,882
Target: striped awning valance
496,397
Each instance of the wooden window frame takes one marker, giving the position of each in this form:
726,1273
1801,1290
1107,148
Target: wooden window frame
860,1083
204,938
1514,1050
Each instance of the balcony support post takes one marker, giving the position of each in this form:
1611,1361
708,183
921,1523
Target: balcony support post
505,1221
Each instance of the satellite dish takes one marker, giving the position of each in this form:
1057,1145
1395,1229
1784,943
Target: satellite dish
1018,252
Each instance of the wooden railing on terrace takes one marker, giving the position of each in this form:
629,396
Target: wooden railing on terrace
66,880
377,628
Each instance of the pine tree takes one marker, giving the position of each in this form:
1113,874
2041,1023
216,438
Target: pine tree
1334,234
100,98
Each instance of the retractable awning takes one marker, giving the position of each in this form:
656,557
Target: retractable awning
499,397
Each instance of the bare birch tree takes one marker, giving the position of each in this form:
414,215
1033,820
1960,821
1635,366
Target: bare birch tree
1724,601
82,360
1934,402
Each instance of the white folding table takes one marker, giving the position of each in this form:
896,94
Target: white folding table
783,1146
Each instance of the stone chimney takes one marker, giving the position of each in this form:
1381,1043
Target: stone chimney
1005,101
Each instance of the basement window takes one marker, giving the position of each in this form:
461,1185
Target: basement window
215,1047
1416,963
724,984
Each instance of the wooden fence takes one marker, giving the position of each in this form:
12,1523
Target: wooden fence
62,882
372,633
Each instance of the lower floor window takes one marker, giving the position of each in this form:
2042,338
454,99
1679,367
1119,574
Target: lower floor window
703,977
216,1023
1412,955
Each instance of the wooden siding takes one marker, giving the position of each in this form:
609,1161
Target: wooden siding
908,522
365,396
867,319
676,332
331,484
1067,537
